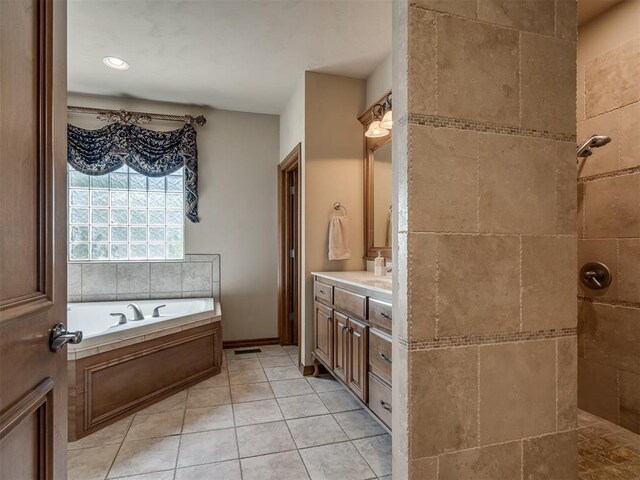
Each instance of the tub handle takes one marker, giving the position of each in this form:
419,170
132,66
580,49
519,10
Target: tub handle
123,318
156,311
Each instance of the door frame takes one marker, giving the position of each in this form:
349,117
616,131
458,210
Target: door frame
289,164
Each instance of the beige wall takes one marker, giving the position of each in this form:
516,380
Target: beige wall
237,187
609,220
485,254
333,172
322,114
379,82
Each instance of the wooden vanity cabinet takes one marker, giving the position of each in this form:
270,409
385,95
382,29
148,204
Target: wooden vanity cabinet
357,358
340,342
353,341
323,338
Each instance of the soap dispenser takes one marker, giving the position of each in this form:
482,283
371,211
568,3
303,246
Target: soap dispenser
379,265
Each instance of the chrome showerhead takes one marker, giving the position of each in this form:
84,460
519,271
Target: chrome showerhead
594,141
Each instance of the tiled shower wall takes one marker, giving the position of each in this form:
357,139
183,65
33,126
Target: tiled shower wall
609,223
485,345
196,276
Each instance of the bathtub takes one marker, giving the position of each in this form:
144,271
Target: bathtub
120,369
101,330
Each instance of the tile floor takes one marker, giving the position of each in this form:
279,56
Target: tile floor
258,419
606,451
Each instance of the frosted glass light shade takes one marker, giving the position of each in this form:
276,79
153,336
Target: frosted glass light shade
374,130
387,121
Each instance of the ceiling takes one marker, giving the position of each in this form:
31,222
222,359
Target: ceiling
229,54
588,9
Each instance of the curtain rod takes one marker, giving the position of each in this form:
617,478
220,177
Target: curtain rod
125,116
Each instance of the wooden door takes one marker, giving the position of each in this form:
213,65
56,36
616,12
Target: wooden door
358,338
33,383
340,352
323,330
289,285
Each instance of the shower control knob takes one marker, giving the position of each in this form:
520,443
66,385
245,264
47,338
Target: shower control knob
595,275
60,337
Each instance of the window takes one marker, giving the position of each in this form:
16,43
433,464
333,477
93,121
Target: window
124,215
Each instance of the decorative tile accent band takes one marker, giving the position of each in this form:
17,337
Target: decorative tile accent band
611,303
488,338
448,122
615,173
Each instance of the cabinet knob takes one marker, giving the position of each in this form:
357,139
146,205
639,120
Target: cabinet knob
385,405
384,315
384,357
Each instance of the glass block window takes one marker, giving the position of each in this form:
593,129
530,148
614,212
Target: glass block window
125,216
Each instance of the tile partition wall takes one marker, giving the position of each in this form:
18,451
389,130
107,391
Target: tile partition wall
609,227
485,343
196,276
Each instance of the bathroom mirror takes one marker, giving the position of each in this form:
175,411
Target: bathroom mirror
377,186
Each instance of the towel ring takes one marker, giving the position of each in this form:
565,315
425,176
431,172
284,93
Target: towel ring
338,206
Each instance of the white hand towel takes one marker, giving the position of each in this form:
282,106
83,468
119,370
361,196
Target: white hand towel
339,246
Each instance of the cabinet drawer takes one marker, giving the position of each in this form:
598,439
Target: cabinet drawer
380,355
380,400
351,303
323,292
380,314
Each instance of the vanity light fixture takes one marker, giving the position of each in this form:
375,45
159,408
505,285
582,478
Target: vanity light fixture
382,119
116,63
375,131
387,121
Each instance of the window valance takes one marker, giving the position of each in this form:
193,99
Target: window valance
149,152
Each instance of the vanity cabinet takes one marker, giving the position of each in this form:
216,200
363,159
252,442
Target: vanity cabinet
340,350
323,326
357,358
353,341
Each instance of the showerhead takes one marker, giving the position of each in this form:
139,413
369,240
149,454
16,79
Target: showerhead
594,141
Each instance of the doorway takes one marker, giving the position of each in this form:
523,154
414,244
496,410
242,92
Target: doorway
289,213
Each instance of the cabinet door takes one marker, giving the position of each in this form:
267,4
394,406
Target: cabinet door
323,327
358,337
340,352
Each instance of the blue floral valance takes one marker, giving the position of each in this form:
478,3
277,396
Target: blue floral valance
151,153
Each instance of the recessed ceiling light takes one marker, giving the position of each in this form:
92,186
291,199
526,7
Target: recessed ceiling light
115,63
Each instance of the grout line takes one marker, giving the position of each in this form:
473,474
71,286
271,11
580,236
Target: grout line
120,447
521,459
478,386
557,381
521,289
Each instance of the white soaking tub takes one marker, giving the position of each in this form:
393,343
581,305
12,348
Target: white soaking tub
102,332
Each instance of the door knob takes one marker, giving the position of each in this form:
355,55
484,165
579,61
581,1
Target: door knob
595,275
60,337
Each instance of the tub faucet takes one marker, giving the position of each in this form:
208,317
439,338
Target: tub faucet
137,313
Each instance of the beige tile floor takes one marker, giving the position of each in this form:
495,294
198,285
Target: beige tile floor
606,451
258,419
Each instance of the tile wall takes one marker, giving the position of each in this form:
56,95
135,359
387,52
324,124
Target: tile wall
609,226
196,276
484,312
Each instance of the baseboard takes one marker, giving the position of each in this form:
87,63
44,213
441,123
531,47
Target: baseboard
251,342
306,370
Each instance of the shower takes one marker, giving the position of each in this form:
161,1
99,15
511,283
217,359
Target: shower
594,141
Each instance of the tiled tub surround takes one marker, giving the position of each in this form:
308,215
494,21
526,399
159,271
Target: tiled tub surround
196,276
484,314
259,419
609,220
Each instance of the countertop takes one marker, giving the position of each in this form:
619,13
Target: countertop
364,280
